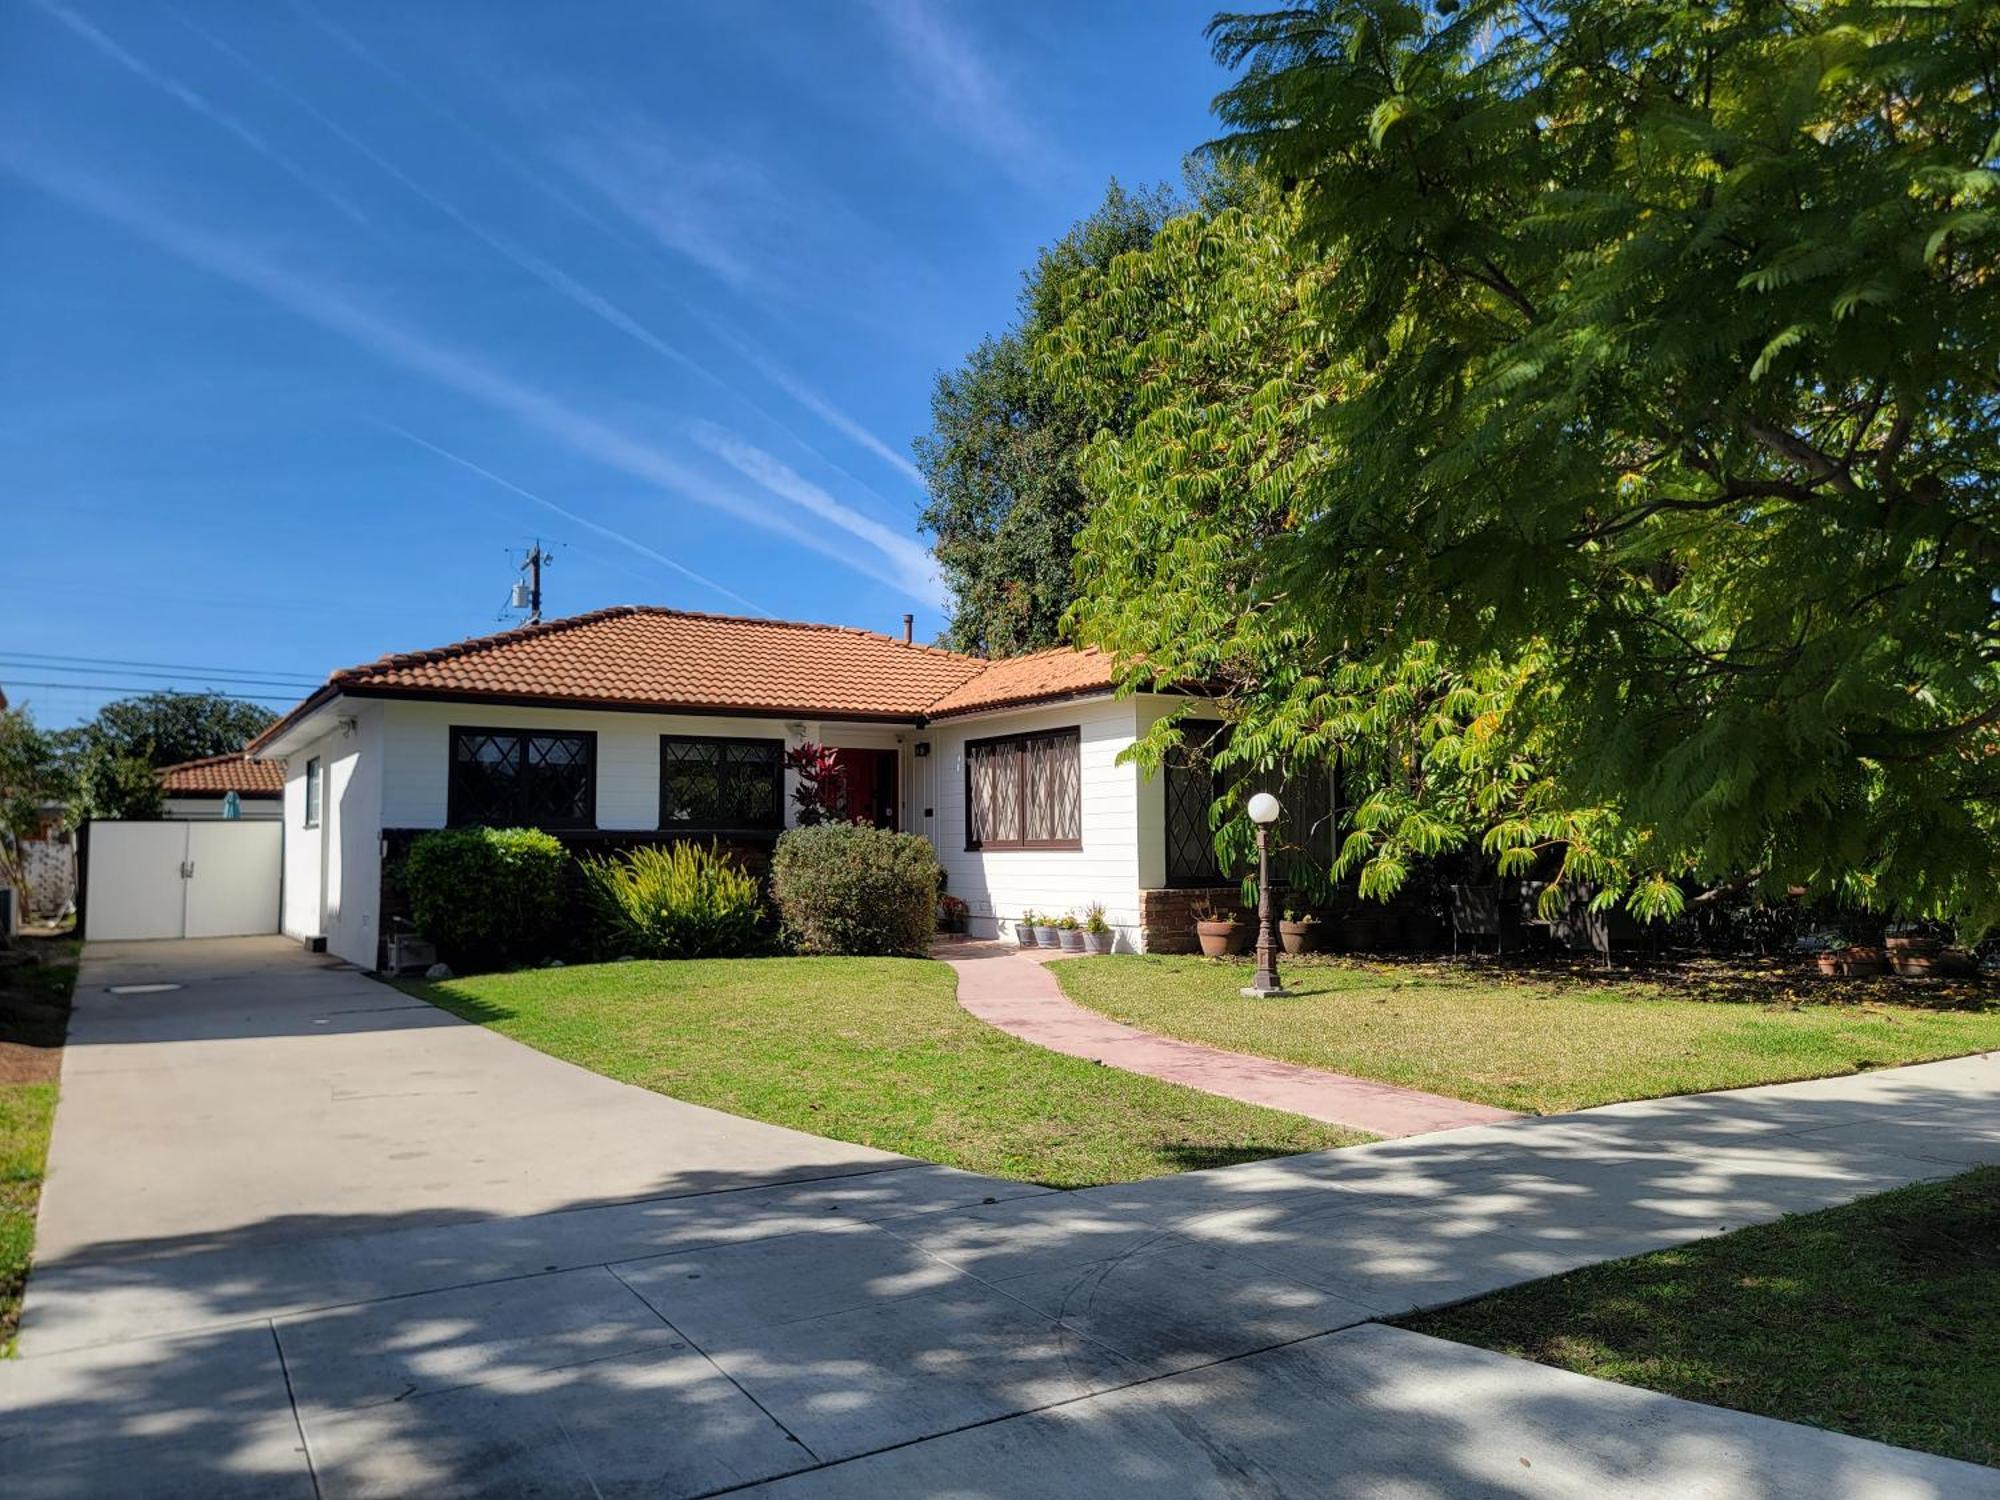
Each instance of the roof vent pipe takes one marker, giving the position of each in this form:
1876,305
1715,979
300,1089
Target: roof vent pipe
909,629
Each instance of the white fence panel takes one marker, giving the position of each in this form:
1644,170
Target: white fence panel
234,868
173,879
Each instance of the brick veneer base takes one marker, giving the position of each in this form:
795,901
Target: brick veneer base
1166,917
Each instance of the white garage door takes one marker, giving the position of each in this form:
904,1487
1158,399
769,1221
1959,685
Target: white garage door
183,879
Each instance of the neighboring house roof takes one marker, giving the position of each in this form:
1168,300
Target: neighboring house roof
647,657
213,775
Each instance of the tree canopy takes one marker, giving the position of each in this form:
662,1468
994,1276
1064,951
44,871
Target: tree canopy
164,729
1632,382
1000,458
1208,340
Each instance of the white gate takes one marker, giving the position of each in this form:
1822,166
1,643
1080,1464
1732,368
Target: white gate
174,879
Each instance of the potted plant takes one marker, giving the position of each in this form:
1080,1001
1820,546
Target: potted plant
1219,933
1024,929
1298,930
1097,934
1854,962
1047,932
951,914
1069,932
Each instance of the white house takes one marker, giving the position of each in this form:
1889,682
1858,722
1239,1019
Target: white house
636,724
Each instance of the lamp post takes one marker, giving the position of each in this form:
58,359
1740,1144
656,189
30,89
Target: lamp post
1264,810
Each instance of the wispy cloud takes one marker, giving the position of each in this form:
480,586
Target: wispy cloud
917,568
577,519
427,100
570,287
963,93
886,555
175,89
718,211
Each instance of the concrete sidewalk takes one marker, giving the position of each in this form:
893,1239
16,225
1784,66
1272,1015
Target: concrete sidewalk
1011,988
888,1328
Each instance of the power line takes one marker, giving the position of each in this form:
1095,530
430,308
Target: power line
164,678
126,687
116,661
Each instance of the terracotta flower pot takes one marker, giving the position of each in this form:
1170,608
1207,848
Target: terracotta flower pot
1299,937
1910,942
1219,939
1852,963
1910,965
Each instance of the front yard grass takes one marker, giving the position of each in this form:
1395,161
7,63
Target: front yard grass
874,1051
1880,1319
1538,1042
36,979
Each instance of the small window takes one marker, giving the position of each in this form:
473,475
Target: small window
1025,791
312,792
522,778
721,785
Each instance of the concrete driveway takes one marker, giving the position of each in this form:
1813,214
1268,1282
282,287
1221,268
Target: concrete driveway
305,1236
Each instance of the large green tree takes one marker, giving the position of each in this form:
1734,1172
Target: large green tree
164,729
1209,340
1678,329
1000,458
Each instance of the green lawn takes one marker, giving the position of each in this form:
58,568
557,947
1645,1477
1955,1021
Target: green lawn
875,1051
1881,1319
1542,1043
35,985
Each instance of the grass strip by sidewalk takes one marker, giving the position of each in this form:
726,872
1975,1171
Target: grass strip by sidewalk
36,980
1542,1043
875,1051
1880,1319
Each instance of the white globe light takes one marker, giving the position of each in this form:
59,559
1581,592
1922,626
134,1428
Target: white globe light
1264,808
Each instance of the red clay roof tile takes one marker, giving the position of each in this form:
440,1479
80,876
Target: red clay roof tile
641,656
213,775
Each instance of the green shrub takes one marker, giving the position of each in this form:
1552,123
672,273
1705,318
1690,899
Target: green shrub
486,896
841,888
683,901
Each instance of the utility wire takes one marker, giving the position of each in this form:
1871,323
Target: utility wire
166,678
127,687
116,661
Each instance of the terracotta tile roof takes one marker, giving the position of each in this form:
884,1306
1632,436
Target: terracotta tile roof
1061,673
213,775
640,656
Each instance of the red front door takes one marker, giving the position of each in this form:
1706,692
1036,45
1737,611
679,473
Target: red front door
870,777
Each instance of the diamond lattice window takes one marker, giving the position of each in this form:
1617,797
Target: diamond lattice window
1025,791
721,785
522,779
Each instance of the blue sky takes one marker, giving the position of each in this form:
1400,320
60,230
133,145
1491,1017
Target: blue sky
317,311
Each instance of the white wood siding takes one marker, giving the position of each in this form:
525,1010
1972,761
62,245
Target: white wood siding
999,884
416,753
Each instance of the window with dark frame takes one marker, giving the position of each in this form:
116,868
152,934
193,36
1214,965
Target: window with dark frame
522,778
1025,791
312,792
1308,830
1192,787
720,784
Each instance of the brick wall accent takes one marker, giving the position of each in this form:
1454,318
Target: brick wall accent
1166,917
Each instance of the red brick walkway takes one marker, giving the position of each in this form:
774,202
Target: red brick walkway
1009,988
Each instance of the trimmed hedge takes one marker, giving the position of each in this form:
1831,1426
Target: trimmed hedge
486,896
842,888
683,901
